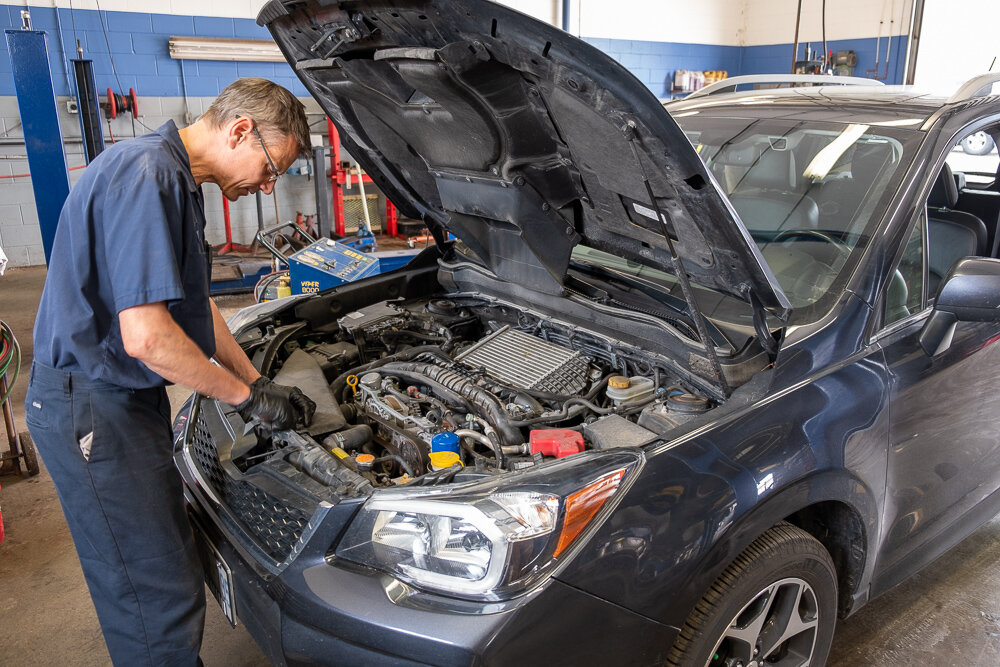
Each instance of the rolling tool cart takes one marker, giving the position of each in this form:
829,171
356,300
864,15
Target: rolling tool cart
322,263
21,447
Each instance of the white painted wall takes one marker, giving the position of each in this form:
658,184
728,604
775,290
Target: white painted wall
549,11
954,46
773,21
724,22
700,22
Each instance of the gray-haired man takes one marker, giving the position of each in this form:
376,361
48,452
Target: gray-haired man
126,310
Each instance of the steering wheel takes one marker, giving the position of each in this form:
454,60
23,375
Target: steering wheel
812,233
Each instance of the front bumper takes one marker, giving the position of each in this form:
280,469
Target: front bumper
301,608
318,613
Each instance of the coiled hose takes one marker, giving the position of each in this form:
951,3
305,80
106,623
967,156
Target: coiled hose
10,352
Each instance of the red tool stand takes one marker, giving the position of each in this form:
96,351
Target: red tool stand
228,246
338,177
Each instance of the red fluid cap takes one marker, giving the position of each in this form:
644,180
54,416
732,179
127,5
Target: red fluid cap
557,442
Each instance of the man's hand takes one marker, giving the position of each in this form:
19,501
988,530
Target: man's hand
277,406
302,403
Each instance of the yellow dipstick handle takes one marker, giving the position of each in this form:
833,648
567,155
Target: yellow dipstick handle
352,382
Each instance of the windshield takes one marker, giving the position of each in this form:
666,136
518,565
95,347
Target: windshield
810,193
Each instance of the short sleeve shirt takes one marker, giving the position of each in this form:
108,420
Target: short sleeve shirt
131,232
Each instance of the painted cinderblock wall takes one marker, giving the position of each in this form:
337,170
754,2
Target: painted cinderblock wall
20,235
768,31
652,38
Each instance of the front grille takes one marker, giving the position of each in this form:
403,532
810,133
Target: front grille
274,525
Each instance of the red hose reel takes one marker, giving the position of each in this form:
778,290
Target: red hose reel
120,104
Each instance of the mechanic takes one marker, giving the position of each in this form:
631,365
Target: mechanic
126,310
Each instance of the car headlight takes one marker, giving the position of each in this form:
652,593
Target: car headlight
486,541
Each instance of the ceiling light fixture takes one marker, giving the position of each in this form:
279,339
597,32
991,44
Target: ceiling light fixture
223,48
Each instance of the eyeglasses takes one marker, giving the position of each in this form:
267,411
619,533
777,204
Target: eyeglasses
270,163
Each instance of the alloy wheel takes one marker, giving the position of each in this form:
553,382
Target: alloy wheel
776,627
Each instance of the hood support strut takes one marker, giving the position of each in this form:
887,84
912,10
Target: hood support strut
761,327
631,136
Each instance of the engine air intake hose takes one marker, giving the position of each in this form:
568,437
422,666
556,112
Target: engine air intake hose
490,404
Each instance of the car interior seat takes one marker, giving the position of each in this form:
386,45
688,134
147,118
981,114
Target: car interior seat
840,199
896,298
985,205
951,234
770,198
867,164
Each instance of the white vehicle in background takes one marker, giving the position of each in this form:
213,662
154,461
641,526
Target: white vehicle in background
978,143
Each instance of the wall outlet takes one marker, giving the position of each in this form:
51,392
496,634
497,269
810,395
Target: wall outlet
72,107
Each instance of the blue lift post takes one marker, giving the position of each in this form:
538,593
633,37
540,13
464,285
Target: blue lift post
36,101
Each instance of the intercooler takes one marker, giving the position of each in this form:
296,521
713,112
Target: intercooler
521,360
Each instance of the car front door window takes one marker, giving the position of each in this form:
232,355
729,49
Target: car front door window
905,293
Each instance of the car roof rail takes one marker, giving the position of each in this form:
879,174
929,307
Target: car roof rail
724,85
978,86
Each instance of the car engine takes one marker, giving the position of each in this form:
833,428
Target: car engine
432,391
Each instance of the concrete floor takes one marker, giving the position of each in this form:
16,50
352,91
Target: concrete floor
949,614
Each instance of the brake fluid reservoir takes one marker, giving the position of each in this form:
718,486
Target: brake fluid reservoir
625,391
675,410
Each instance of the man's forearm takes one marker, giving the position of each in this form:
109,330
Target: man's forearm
151,335
228,352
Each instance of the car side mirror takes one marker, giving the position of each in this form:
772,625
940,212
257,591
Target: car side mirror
969,293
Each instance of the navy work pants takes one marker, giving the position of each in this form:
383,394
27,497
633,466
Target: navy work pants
108,450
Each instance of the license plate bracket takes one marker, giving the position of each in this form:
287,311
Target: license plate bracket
218,576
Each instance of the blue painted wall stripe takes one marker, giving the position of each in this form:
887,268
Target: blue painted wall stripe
772,58
138,44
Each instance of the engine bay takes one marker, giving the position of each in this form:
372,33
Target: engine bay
436,390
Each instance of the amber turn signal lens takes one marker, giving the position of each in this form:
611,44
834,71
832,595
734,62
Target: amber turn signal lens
583,505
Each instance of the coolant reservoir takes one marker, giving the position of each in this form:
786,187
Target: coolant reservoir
624,391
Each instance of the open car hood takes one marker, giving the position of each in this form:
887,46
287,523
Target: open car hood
516,137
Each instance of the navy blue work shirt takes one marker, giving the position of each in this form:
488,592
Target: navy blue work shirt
131,232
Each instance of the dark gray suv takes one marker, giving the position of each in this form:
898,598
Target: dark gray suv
686,385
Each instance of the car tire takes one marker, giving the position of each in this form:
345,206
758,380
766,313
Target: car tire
977,143
778,599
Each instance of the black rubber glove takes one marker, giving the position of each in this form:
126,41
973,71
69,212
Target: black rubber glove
276,406
302,403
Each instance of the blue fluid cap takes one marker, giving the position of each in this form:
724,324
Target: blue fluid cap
445,442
